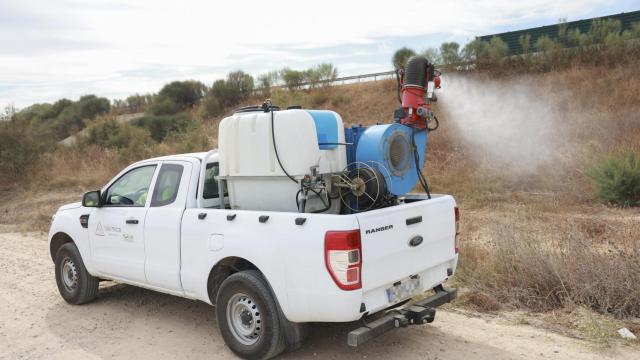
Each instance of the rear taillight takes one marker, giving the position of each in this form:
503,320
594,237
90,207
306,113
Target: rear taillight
457,241
342,256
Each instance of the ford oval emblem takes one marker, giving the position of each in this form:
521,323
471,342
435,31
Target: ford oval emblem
415,241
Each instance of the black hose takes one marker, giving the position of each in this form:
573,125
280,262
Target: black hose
416,158
415,72
273,137
327,205
435,118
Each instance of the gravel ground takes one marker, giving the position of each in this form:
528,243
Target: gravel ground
128,322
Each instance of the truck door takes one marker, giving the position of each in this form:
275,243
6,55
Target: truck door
116,230
162,225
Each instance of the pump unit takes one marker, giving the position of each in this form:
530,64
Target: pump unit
306,161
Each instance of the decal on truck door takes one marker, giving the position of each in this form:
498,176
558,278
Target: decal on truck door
99,230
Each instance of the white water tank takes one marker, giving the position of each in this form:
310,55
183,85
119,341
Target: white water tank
304,138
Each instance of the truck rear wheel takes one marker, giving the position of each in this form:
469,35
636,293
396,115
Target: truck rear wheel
74,282
248,317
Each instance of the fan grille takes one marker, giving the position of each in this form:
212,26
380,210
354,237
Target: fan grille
399,153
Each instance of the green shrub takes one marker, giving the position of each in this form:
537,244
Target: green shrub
319,97
210,107
184,94
163,106
18,149
109,133
339,99
292,78
617,178
160,126
90,106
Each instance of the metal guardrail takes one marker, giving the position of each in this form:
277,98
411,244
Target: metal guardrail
373,76
343,80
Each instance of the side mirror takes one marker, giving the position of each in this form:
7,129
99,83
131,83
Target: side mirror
92,199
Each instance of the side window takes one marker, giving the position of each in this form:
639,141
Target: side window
167,185
131,189
210,182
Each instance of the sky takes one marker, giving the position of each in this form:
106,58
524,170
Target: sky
53,49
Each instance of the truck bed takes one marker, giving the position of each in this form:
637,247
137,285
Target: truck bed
289,249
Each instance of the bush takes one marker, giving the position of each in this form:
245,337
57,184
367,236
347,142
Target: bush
161,126
90,106
210,107
163,106
184,94
18,149
109,133
617,178
293,79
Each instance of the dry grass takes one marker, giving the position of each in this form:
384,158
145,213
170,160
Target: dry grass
544,260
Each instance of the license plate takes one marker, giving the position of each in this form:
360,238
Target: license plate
406,288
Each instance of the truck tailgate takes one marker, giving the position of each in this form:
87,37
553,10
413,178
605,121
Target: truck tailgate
406,240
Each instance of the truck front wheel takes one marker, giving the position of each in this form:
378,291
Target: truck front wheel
74,282
248,316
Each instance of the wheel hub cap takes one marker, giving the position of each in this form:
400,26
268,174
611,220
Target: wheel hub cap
69,274
244,319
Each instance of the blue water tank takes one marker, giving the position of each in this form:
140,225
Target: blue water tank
389,149
326,128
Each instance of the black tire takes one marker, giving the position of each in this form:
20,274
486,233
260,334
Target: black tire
74,282
258,309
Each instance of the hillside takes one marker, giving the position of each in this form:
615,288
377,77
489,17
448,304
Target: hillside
513,150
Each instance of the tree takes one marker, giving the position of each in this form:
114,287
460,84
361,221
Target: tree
433,55
226,95
600,29
185,94
475,51
326,72
525,43
90,106
401,56
293,79
241,83
450,52
496,50
268,80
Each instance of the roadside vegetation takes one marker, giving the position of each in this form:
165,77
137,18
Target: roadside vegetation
559,234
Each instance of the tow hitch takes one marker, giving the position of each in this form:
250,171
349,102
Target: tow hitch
423,311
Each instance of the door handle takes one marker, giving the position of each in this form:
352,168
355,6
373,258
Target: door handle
201,216
132,221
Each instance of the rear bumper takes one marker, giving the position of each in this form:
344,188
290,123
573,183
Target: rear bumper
421,312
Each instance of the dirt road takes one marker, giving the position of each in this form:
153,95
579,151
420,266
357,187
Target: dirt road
127,322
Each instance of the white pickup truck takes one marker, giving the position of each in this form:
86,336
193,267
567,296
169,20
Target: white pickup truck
159,224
